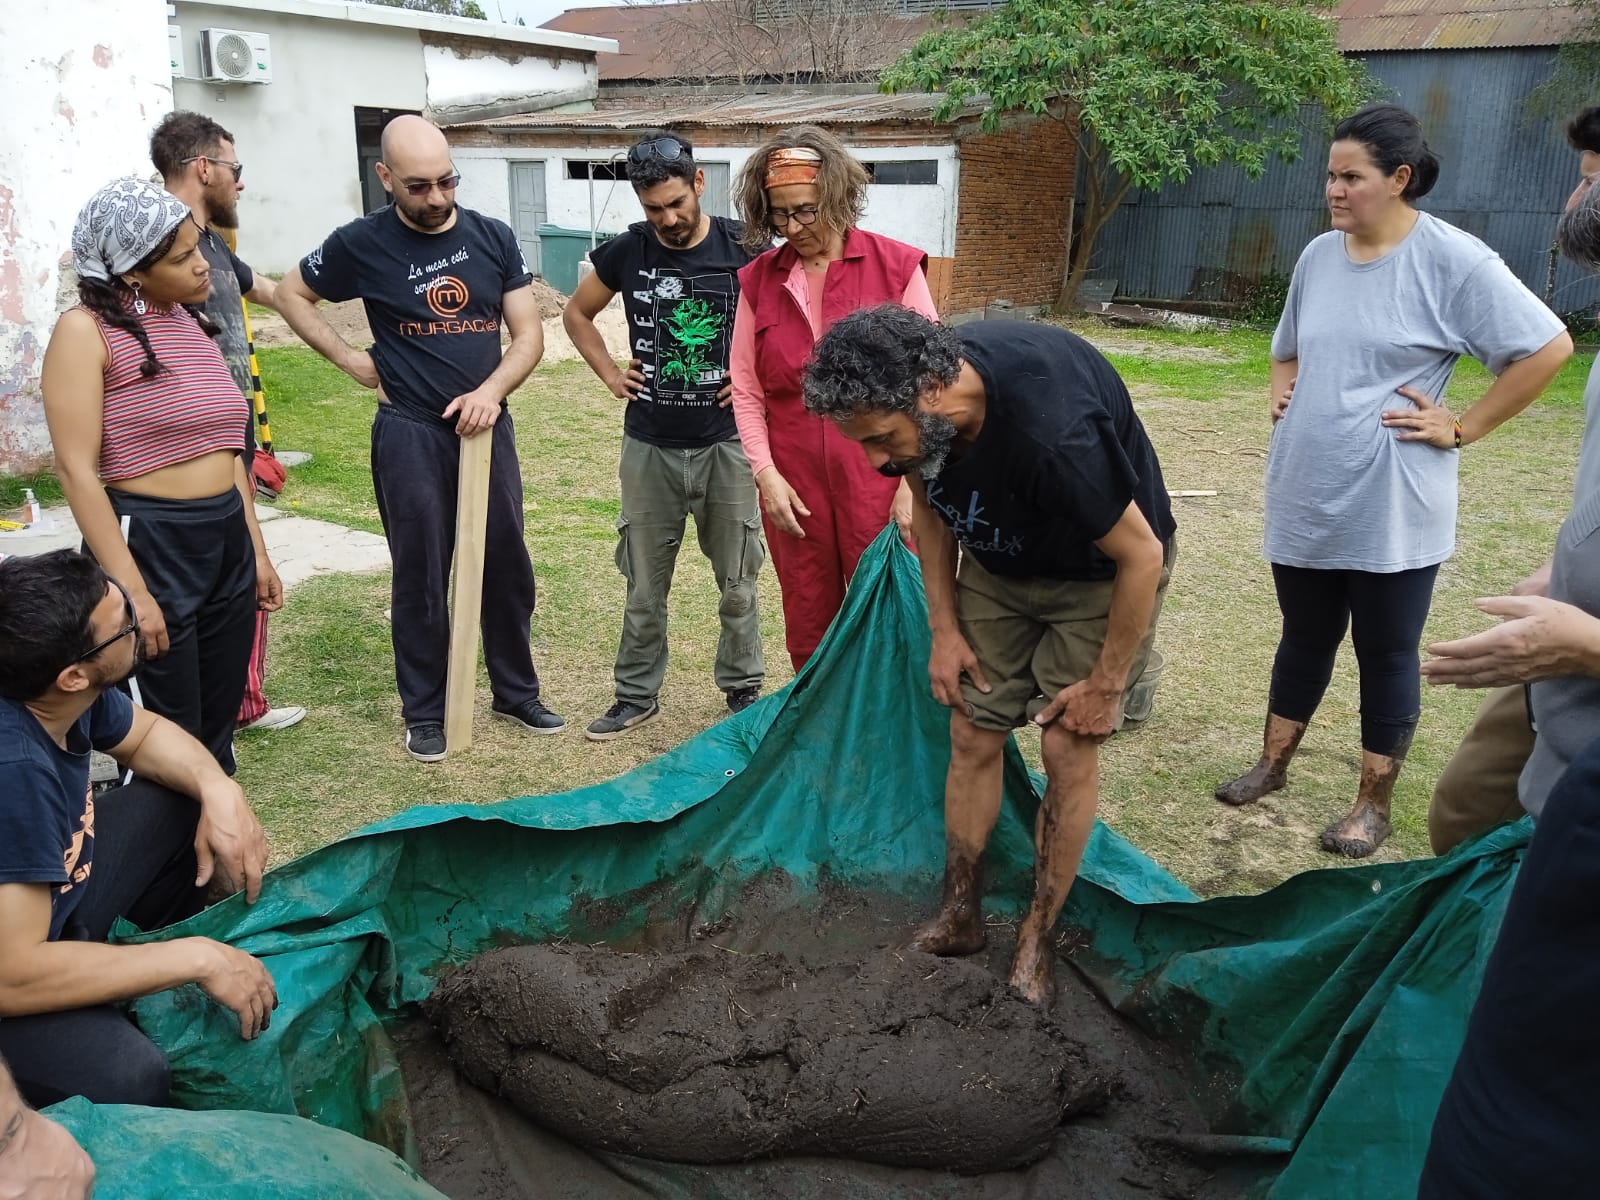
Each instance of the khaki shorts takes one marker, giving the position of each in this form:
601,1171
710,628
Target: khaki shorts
1033,637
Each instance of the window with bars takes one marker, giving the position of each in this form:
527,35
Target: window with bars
904,171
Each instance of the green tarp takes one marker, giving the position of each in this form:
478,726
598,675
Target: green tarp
1322,1016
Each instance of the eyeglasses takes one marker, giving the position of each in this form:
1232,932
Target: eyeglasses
236,167
667,149
131,627
779,218
447,184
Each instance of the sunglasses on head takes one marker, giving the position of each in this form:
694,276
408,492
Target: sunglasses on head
667,149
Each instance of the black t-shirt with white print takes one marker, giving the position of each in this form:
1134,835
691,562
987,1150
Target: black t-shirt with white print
433,300
1059,458
680,306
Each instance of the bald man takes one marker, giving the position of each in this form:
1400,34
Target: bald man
437,281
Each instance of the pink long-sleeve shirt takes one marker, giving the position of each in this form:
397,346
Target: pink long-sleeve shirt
749,400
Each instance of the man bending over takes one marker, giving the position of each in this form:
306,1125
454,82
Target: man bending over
1023,447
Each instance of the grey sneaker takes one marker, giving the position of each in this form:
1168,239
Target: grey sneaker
425,741
620,718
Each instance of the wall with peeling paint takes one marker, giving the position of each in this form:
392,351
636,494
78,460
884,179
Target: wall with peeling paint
84,81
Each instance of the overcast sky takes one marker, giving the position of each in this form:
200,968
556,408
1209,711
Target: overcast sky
536,12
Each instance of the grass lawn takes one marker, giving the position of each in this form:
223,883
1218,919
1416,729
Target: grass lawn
1203,399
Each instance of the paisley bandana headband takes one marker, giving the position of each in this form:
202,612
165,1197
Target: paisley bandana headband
793,165
121,224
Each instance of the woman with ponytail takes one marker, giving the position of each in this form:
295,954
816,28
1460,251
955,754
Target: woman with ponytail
151,439
1361,474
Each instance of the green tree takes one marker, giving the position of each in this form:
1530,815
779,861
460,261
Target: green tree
445,8
1575,83
1151,88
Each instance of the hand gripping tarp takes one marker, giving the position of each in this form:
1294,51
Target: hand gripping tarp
1323,1016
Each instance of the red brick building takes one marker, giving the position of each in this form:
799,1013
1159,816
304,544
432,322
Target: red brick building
991,210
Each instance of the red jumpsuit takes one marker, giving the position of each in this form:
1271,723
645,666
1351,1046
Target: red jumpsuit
849,501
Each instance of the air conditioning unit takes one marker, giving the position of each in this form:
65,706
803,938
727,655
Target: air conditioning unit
175,51
235,56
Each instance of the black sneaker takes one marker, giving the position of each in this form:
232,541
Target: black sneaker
620,718
740,699
532,715
425,741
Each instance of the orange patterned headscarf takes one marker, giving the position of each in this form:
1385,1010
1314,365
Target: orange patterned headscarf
795,164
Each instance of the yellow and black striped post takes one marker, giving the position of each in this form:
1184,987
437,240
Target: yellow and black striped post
262,423
231,238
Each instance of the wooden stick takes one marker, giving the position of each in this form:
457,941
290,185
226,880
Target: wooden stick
466,604
1190,492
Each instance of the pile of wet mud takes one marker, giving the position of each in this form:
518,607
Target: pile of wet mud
709,1057
1114,1109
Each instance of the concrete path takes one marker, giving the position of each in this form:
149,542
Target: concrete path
300,547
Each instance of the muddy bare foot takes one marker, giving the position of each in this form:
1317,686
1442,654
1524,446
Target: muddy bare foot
1252,785
1359,834
950,934
1033,973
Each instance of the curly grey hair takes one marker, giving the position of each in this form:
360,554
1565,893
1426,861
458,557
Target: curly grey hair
879,360
1578,231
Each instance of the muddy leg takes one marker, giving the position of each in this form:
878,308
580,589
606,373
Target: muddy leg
1365,829
1278,744
1066,818
971,804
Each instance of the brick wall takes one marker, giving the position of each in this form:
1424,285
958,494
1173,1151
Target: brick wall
1013,207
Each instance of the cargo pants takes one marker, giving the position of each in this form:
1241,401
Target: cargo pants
661,487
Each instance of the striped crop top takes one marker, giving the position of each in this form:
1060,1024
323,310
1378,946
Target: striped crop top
190,408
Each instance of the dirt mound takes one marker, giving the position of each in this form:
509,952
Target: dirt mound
349,321
903,1058
1150,1141
551,302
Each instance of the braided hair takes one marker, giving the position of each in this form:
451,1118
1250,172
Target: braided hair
107,300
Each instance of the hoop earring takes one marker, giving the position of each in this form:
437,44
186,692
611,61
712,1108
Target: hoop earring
139,305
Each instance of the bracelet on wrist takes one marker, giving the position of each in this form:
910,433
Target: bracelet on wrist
1457,424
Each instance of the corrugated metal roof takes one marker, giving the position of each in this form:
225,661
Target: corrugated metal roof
1368,25
705,39
660,41
777,108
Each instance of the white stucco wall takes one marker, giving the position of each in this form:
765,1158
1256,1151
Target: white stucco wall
84,81
297,134
462,82
923,215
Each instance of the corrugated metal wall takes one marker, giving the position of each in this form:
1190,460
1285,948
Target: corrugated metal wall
1502,178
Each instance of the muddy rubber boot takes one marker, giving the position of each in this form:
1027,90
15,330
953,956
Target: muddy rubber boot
958,927
1278,744
1365,829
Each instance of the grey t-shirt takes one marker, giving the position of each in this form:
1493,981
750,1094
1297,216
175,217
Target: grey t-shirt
1566,712
1342,491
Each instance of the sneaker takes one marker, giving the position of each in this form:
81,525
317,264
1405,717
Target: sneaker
619,718
532,716
740,699
425,741
278,718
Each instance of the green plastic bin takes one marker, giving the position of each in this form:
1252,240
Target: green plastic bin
560,251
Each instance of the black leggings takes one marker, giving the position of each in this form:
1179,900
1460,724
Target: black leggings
144,868
1385,614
